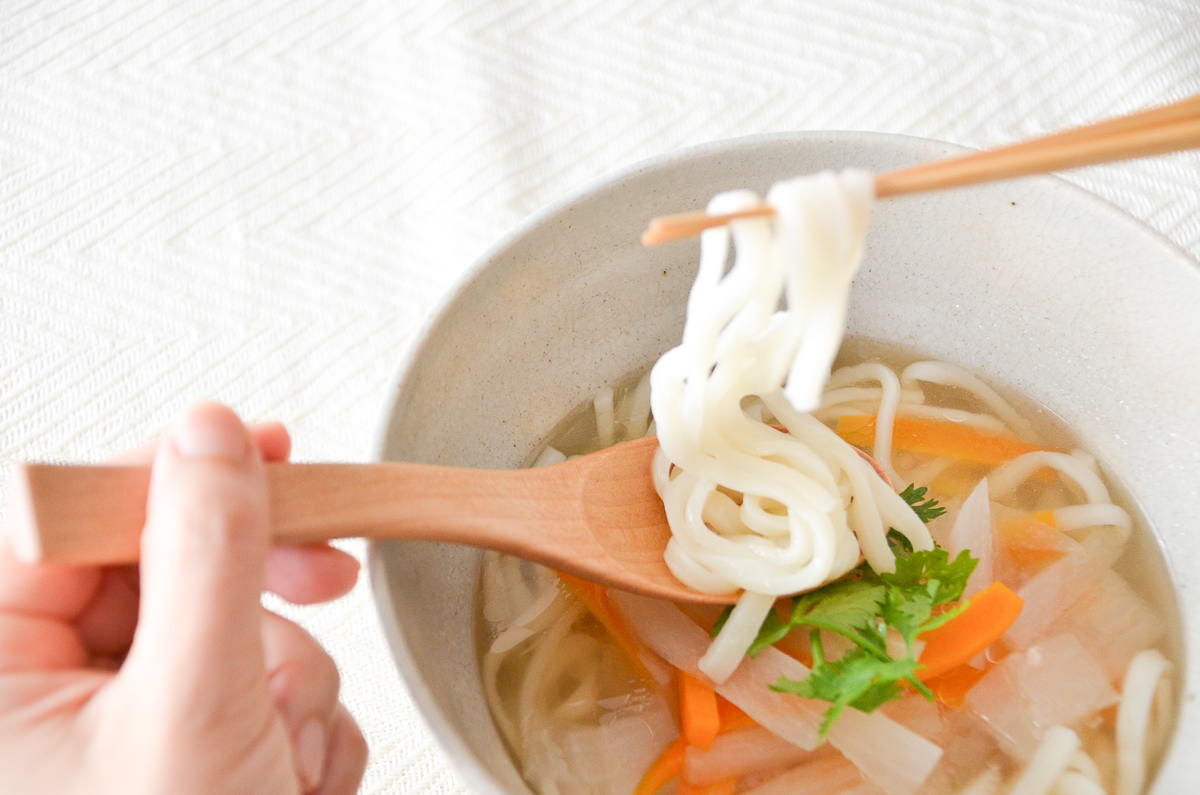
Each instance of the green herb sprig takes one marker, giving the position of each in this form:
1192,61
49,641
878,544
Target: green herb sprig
863,607
926,510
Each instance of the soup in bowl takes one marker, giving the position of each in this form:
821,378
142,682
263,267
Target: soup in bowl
1048,294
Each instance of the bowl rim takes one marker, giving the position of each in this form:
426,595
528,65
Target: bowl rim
466,766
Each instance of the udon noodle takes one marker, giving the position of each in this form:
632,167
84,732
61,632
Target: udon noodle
806,505
776,480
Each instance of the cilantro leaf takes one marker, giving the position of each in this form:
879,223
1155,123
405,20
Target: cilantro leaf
899,543
942,616
864,607
859,679
933,569
922,582
906,613
721,619
926,510
772,631
847,607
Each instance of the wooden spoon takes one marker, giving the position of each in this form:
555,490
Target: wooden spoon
597,516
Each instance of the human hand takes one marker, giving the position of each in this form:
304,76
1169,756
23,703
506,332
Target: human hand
170,676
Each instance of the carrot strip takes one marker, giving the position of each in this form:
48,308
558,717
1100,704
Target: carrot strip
663,769
698,712
732,718
726,786
670,763
595,599
957,480
986,617
1031,541
951,688
937,438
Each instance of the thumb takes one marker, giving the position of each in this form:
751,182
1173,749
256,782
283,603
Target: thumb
204,550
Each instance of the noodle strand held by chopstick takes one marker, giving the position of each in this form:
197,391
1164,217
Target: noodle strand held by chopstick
808,506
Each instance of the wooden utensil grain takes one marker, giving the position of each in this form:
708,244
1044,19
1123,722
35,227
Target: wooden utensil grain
1170,128
596,516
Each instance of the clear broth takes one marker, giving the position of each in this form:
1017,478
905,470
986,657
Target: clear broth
1142,563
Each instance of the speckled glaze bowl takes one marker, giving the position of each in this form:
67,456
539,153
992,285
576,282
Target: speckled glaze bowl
1034,284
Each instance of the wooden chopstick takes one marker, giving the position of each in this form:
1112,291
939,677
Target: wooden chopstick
1073,149
1170,128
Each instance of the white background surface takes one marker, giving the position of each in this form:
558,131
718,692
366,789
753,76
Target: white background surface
258,201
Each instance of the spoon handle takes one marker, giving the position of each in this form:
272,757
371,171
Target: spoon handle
94,514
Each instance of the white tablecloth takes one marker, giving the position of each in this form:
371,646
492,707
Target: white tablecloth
257,200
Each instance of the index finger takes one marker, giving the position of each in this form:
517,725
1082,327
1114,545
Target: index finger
59,592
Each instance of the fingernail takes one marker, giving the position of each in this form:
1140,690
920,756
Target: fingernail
210,430
310,753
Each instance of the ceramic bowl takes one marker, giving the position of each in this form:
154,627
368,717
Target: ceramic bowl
1034,284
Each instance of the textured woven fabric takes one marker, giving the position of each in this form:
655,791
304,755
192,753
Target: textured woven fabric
257,200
